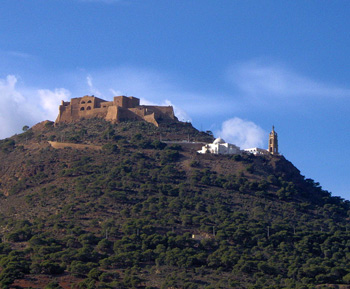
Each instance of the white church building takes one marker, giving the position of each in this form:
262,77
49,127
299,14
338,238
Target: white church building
219,146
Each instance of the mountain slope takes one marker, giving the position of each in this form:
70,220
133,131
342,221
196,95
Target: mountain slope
142,213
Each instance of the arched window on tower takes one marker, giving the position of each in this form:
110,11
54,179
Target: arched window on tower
82,108
83,102
89,101
88,108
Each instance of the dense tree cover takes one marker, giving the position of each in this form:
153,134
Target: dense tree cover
140,213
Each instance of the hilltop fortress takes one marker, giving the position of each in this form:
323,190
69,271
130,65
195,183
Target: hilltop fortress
122,108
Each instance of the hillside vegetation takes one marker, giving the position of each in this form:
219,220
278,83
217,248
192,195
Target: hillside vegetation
140,213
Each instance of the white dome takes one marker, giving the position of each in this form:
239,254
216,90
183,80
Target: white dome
219,140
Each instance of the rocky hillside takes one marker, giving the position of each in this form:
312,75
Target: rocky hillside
133,206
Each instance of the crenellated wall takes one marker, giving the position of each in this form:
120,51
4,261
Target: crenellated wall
122,108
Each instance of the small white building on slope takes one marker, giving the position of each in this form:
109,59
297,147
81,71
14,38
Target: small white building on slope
219,146
257,151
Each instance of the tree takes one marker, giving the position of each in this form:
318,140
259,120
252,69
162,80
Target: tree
25,128
53,285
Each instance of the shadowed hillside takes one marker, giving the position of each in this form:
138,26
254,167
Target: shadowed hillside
140,213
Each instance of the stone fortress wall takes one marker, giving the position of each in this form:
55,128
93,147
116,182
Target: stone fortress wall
122,108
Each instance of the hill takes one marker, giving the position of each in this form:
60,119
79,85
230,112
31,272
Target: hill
115,207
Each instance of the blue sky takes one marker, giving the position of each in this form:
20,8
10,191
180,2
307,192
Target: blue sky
233,67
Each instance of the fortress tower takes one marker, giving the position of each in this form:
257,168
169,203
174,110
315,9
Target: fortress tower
273,142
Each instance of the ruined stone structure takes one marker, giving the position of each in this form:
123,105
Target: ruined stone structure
122,108
273,142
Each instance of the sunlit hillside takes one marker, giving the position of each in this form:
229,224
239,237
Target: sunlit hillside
125,206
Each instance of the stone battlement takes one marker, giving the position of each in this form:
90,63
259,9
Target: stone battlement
122,108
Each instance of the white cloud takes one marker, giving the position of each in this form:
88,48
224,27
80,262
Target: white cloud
243,133
115,92
25,105
15,111
8,90
18,54
50,100
93,90
274,80
153,86
21,106
150,86
181,114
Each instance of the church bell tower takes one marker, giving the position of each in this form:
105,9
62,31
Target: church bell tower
273,142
